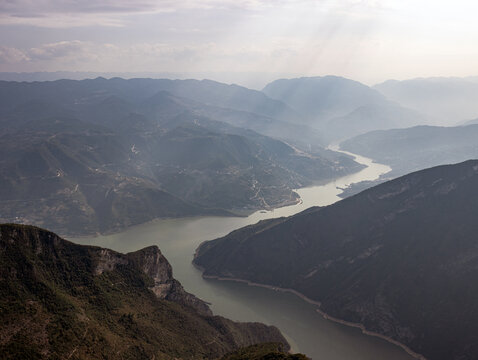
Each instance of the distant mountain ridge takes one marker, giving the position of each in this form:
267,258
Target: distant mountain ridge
322,97
341,108
416,148
446,100
100,155
61,300
470,122
400,258
73,93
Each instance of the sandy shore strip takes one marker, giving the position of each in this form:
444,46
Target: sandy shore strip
325,315
371,333
275,288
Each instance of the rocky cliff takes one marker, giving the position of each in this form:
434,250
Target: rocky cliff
60,300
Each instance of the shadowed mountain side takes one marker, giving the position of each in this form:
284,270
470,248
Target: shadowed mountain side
84,160
399,258
371,117
265,169
416,148
72,92
341,108
61,300
446,100
321,98
269,351
111,101
79,180
295,133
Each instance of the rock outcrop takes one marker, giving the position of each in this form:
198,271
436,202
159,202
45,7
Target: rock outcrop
62,300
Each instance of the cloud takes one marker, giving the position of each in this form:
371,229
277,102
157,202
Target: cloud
85,55
69,53
146,56
35,8
62,49
347,37
11,55
74,13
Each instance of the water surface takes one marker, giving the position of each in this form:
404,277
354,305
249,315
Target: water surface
305,329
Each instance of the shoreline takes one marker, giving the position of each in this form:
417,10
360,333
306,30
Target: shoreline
321,312
230,214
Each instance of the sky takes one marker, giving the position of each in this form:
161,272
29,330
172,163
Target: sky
251,41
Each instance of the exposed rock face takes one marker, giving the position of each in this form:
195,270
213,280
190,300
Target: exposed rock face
108,260
62,300
154,264
400,258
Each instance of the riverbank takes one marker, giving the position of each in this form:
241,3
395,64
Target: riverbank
305,329
336,189
230,213
321,312
305,198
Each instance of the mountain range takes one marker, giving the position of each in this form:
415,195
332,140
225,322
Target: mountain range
96,156
411,149
446,101
400,259
100,155
341,108
65,301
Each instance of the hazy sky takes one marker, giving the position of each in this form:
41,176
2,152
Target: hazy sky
367,40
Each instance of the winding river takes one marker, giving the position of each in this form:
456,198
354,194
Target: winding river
305,329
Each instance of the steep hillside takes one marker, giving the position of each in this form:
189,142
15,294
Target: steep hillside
100,100
268,351
400,258
77,179
322,97
416,148
100,155
341,108
447,100
372,117
65,301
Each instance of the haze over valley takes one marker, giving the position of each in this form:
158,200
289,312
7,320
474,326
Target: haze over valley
233,180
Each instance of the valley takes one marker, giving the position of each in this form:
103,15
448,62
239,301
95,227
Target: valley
98,156
238,180
305,329
177,164
365,257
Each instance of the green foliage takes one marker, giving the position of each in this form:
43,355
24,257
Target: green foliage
139,150
54,304
266,351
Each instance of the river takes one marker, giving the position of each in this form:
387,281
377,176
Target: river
305,329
